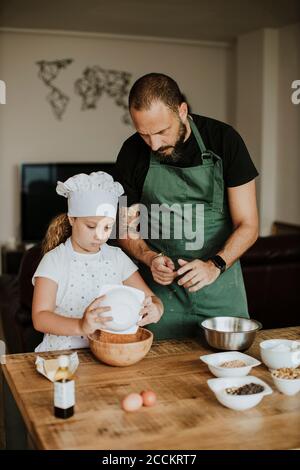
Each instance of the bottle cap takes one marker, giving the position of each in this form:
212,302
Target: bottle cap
63,361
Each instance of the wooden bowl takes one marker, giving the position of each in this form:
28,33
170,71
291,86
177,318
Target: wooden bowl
121,350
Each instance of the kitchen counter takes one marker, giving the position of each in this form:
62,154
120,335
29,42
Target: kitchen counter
187,415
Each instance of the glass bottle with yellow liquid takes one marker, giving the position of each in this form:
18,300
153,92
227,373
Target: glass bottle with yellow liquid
64,390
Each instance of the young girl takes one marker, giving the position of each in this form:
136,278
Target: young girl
77,262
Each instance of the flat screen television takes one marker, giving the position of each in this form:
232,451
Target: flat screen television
39,200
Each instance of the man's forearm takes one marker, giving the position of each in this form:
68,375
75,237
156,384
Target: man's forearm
239,241
138,249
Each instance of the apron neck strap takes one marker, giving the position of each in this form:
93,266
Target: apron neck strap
218,188
198,137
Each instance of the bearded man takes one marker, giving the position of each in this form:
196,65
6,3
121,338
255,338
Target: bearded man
198,172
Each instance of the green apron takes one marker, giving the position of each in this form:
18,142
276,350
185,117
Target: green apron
175,187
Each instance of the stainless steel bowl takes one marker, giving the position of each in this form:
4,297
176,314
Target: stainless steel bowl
230,333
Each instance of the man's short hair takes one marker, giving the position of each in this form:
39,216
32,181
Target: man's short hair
155,87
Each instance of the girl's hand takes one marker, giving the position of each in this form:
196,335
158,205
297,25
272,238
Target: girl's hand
152,311
93,319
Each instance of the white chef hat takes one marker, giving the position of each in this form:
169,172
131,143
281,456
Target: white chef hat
96,194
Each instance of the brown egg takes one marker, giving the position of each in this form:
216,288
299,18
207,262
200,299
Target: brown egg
132,402
149,397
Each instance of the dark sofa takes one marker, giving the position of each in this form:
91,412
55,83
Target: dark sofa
271,270
15,305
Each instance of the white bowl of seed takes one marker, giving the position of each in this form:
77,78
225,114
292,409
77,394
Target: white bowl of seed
229,364
239,393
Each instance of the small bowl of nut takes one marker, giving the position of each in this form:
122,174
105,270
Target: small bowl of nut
287,380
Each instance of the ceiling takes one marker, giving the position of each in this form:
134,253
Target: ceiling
214,20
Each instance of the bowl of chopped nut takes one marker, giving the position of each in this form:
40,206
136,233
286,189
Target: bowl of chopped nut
239,393
229,364
287,380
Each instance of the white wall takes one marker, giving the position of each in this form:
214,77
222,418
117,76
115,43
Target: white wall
288,194
257,96
249,91
267,63
30,133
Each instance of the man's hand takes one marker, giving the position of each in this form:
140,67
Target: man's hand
152,311
198,274
163,270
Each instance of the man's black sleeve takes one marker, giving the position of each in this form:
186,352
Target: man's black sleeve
125,174
238,166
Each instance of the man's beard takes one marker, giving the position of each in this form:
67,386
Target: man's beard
177,152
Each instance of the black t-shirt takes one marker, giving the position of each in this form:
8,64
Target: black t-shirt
134,157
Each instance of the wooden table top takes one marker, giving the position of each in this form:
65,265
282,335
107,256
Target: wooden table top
187,415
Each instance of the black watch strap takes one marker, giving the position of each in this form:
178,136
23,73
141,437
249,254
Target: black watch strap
219,263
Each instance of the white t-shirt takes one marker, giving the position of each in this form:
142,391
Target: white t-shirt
55,265
79,277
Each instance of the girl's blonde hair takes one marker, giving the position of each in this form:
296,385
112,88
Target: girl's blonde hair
58,232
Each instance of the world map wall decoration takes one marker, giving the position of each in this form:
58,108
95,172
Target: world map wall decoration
95,81
48,71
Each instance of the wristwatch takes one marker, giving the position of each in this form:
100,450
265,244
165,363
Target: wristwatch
219,262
